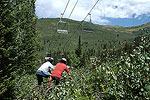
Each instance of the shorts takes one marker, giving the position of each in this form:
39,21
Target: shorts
57,79
40,74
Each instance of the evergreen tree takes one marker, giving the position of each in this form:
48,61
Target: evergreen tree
18,40
27,35
79,49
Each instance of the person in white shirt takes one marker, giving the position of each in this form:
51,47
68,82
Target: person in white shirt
45,70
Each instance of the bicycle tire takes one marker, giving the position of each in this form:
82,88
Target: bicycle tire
46,92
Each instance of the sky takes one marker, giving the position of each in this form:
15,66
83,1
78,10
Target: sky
107,12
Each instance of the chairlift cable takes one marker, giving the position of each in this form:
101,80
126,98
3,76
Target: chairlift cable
64,13
73,9
80,24
91,10
65,9
71,12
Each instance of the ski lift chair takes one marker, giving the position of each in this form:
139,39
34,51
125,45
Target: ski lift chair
88,26
62,27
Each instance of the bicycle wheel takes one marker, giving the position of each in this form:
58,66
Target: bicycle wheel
47,91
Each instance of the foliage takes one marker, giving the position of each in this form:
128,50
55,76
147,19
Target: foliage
18,40
73,60
142,31
127,77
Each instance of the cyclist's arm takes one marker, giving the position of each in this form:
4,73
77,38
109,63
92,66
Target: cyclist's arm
69,74
51,68
67,70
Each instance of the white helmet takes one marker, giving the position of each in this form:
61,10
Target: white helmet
63,60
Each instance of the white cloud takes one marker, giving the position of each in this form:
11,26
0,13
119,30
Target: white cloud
105,8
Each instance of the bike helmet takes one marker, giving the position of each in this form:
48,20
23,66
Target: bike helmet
63,60
51,59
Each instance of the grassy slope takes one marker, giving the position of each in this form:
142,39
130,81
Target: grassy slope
103,34
126,29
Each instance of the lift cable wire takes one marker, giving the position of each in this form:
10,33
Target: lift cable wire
80,25
71,12
73,9
60,23
91,10
62,14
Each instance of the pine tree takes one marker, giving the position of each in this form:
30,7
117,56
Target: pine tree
7,48
27,35
79,49
18,42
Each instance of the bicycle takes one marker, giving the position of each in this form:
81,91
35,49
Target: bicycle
44,92
39,94
52,91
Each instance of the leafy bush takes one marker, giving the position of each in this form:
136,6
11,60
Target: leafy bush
127,78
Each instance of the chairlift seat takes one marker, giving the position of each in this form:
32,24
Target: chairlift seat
62,31
88,30
62,27
87,27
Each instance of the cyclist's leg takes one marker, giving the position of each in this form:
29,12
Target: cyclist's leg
39,77
40,80
50,80
57,80
46,75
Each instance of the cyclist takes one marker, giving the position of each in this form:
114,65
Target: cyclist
57,73
44,70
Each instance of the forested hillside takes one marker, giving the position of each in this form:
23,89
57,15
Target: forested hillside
103,36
